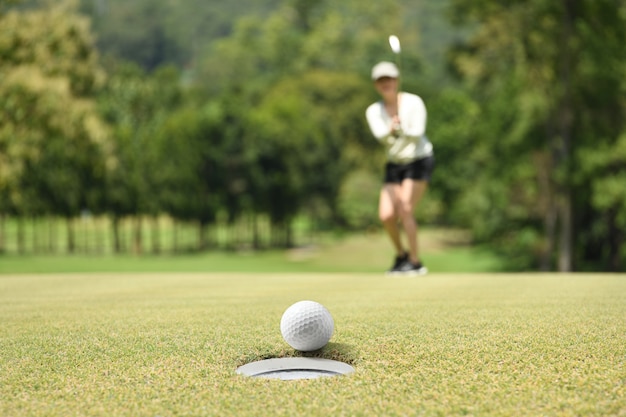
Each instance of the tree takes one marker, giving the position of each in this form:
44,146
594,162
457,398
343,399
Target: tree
202,170
136,105
155,33
54,150
305,136
532,64
298,37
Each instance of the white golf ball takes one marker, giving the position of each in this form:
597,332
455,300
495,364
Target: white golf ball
307,326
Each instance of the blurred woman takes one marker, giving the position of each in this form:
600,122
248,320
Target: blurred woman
398,121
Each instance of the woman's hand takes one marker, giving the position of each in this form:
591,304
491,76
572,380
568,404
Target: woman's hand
396,127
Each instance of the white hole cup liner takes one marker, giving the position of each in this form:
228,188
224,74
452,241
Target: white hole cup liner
295,368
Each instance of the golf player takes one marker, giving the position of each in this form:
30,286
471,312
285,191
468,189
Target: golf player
398,122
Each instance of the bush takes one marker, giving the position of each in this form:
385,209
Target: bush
358,199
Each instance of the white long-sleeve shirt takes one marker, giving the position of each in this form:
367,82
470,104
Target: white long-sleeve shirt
412,144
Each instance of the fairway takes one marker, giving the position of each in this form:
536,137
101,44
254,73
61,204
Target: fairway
168,344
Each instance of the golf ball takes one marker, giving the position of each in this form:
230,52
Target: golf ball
307,326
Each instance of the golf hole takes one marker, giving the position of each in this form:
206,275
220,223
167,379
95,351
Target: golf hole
295,368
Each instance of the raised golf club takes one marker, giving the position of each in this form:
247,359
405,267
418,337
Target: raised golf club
394,43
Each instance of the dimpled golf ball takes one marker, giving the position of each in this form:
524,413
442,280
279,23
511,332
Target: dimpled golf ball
307,326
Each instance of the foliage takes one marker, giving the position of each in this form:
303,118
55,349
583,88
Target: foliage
297,38
136,106
549,75
452,121
54,149
156,33
239,115
7,4
195,165
299,136
358,199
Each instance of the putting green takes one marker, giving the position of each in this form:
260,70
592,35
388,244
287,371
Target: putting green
444,344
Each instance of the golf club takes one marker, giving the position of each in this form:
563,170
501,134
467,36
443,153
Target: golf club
394,43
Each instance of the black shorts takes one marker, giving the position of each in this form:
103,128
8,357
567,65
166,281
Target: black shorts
420,170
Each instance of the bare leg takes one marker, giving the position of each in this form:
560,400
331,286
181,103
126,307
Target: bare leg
410,194
387,213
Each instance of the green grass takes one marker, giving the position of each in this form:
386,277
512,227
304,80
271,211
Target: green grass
443,251
168,344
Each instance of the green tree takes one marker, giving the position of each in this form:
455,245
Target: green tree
136,105
54,149
298,37
190,173
304,73
550,78
306,135
155,33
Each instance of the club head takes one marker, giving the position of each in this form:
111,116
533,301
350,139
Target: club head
394,42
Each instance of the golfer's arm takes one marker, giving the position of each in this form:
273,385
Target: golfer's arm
380,129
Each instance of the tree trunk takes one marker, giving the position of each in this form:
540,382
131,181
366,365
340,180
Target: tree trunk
100,227
52,242
546,206
21,244
175,236
564,141
36,235
156,238
616,242
2,232
71,238
565,236
137,236
202,238
549,222
117,247
289,243
255,232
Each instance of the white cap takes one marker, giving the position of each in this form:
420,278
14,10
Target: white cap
385,69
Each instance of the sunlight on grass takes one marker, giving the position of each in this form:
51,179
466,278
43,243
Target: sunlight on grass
444,344
443,251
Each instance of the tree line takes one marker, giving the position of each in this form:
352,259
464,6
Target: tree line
263,116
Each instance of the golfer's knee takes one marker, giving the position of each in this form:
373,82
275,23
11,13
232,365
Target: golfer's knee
405,209
387,217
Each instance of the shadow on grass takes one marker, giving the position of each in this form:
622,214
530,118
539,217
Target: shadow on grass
341,352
